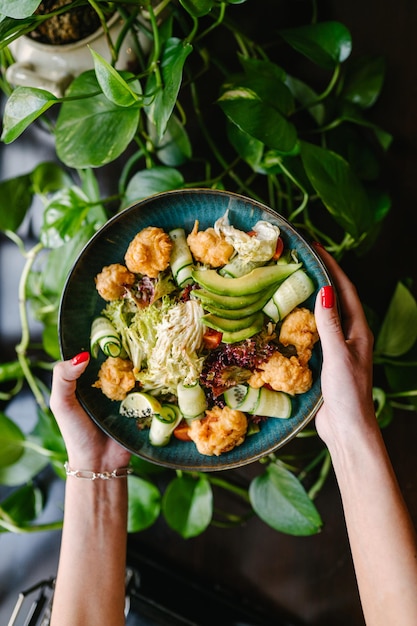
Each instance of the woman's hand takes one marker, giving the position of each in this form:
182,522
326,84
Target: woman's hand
346,376
88,447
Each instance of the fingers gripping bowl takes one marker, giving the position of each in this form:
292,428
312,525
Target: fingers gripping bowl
81,304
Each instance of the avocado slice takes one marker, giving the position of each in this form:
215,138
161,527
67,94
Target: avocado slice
256,281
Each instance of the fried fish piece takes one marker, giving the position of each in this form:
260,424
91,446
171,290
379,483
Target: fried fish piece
112,281
283,374
208,247
299,329
221,430
116,378
149,252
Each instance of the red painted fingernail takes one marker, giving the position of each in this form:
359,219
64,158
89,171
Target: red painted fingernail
318,244
327,297
80,358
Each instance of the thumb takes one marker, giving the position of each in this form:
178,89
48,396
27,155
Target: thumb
328,321
64,380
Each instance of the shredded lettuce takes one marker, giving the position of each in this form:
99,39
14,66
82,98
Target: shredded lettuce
172,346
259,248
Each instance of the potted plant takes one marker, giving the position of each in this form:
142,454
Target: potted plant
299,139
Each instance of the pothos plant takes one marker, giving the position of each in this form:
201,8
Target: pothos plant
285,121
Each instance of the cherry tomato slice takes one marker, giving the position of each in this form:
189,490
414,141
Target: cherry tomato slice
211,338
181,431
279,249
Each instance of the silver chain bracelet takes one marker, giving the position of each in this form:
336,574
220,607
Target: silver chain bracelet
119,472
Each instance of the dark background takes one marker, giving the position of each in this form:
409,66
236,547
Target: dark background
311,578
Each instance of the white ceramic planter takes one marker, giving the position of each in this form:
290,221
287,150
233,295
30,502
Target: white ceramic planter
54,67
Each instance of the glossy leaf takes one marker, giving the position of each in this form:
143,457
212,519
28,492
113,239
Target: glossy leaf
398,332
63,216
197,8
258,119
281,501
49,434
113,85
339,188
144,504
364,81
23,107
172,62
324,43
11,438
18,10
148,182
92,131
29,464
174,148
22,505
15,200
188,505
48,177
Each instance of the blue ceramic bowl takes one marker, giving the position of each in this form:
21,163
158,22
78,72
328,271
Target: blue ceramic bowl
80,303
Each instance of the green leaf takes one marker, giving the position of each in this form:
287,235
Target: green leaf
24,469
144,504
188,505
148,182
64,215
172,62
20,9
11,438
91,130
364,80
22,505
398,332
113,85
15,200
48,177
50,341
325,43
23,107
197,8
281,501
258,119
339,188
49,435
174,148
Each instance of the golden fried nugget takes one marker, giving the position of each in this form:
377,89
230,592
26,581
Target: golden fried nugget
283,374
208,247
220,431
112,280
116,378
299,329
149,252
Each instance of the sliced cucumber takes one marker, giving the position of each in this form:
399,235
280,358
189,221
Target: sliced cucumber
274,404
181,260
256,281
192,401
237,267
263,402
104,335
163,424
293,291
242,398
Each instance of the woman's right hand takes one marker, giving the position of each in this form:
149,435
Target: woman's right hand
346,375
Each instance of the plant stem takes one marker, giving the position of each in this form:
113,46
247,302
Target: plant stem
224,484
22,346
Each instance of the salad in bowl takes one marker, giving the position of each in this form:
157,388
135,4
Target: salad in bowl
202,332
